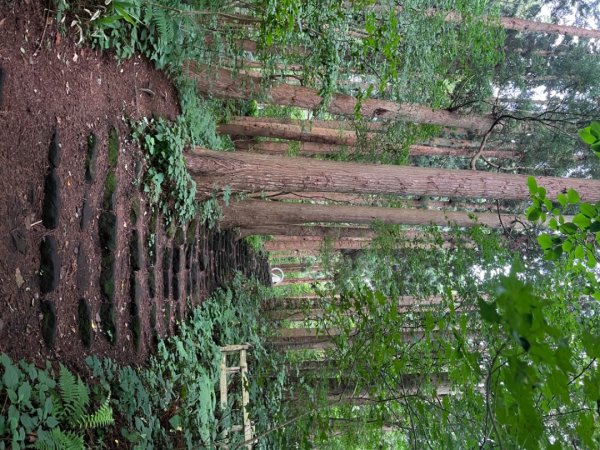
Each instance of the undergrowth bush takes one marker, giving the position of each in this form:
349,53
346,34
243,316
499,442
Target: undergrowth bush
40,410
172,403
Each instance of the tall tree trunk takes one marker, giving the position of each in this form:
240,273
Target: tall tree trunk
512,23
245,172
227,85
311,244
315,197
300,231
252,213
303,280
299,267
334,140
348,125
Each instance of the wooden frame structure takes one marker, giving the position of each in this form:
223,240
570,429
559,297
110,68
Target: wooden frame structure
242,369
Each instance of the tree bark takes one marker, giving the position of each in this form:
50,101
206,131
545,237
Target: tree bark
227,85
290,281
299,267
300,231
326,141
245,172
304,244
512,23
252,213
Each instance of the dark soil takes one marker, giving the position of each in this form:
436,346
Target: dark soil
54,96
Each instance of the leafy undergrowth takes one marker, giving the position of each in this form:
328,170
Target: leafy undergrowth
173,403
43,410
167,182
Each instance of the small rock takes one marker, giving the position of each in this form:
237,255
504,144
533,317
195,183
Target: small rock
85,322
135,251
109,321
19,240
86,211
107,227
49,265
191,232
135,292
2,78
90,159
167,256
179,237
48,322
107,277
151,282
54,150
83,270
51,206
176,260
19,278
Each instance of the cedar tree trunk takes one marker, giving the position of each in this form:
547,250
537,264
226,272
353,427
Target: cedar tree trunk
246,172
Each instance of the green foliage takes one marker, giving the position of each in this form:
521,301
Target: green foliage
591,136
36,405
56,439
173,399
167,182
577,239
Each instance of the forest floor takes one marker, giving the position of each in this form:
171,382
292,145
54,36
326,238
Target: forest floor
76,258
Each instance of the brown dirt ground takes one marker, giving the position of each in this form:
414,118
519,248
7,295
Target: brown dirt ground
50,82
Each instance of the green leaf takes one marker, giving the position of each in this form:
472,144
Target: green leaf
569,228
595,129
545,241
588,210
579,253
542,193
175,422
562,199
594,227
11,376
533,213
532,184
582,221
591,343
572,196
24,392
488,311
587,136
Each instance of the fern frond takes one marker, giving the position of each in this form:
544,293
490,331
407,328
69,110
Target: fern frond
73,395
101,418
164,25
58,440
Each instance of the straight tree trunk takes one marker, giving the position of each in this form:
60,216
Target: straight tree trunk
324,141
314,197
245,172
512,23
348,125
318,232
303,280
299,267
251,213
300,244
227,85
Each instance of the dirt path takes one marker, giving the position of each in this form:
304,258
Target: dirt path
56,99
